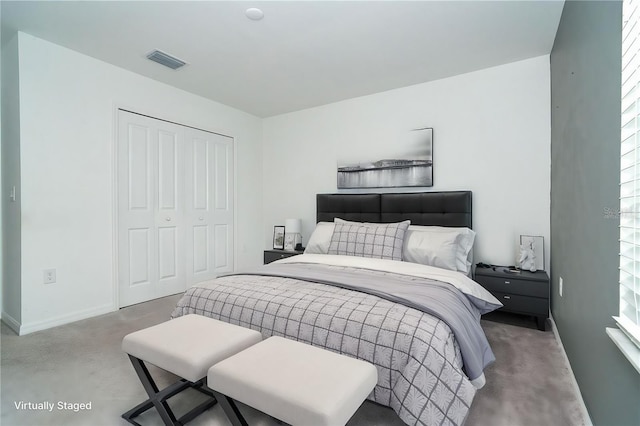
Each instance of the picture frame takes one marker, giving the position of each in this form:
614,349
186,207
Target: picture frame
409,164
278,237
537,242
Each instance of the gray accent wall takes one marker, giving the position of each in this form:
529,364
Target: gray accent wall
585,164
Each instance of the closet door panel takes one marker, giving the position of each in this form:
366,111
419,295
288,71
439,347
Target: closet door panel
209,186
223,214
168,171
222,243
150,218
139,247
175,207
137,150
169,223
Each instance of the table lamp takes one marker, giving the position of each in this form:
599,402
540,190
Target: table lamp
292,229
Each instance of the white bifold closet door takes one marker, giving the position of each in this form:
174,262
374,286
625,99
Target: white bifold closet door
175,202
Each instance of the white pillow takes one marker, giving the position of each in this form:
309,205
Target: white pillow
320,238
444,247
417,247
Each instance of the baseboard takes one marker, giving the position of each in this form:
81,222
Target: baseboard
11,322
585,412
65,319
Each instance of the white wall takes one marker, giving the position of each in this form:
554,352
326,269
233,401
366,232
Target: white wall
11,291
67,110
491,136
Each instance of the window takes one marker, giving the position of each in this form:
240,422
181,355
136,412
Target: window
629,319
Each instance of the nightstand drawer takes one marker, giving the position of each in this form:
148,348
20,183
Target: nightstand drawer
523,304
514,285
273,255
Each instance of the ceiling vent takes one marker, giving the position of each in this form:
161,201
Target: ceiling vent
166,59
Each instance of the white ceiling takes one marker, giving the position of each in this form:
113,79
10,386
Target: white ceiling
303,53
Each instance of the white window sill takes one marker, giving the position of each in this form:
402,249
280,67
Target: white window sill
630,351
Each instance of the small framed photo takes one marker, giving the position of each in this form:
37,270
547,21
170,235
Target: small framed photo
537,244
278,237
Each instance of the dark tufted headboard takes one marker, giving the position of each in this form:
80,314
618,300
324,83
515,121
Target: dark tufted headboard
450,208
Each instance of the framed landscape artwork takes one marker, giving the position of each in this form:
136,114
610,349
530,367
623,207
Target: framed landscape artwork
412,165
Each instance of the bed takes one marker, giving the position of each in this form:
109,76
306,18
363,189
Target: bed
419,324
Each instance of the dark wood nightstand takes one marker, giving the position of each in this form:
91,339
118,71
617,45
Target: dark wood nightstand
522,292
273,255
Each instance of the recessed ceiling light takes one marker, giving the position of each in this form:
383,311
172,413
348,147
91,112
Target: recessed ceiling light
254,14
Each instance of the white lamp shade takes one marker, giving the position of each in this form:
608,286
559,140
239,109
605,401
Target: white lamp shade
293,226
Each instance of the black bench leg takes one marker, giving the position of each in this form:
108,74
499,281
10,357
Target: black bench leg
230,409
158,399
151,388
136,411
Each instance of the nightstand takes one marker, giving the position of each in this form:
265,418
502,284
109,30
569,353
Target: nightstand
521,293
273,255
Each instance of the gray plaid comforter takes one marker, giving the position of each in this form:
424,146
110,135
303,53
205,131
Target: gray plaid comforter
420,369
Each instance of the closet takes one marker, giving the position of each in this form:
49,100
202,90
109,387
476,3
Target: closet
175,207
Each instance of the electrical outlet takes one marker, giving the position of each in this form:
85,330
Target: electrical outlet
560,286
49,276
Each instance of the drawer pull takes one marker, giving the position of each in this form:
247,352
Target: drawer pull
507,282
507,297
282,256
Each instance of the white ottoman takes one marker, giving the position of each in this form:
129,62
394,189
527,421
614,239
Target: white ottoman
186,346
293,382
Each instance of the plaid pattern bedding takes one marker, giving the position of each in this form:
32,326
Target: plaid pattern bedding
381,241
419,364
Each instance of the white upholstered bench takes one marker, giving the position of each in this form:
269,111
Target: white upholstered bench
293,382
186,346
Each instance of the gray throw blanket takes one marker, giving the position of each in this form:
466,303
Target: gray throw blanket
437,298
